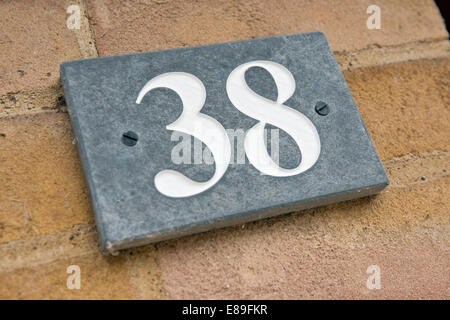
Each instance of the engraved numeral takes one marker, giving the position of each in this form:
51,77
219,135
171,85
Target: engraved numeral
296,124
208,130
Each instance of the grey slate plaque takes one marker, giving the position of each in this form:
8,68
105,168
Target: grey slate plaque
124,145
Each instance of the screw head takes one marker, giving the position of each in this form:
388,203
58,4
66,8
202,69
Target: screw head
130,138
322,108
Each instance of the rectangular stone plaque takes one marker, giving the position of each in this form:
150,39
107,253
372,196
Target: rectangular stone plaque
182,141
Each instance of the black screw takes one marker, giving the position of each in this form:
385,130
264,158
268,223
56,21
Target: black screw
129,138
322,108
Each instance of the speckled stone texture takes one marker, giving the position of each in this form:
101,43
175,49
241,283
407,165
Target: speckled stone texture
101,96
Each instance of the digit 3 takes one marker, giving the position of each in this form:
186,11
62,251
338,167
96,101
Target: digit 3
191,121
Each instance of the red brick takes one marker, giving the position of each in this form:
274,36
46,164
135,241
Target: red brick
404,105
133,26
34,39
321,253
42,189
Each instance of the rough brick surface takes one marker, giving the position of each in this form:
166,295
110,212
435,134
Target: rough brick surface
405,105
101,277
37,269
322,253
34,40
133,26
42,190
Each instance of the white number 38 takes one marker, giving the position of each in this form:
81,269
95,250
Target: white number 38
191,121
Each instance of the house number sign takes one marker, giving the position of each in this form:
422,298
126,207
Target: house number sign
182,141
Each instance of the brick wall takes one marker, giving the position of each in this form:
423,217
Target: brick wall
399,76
